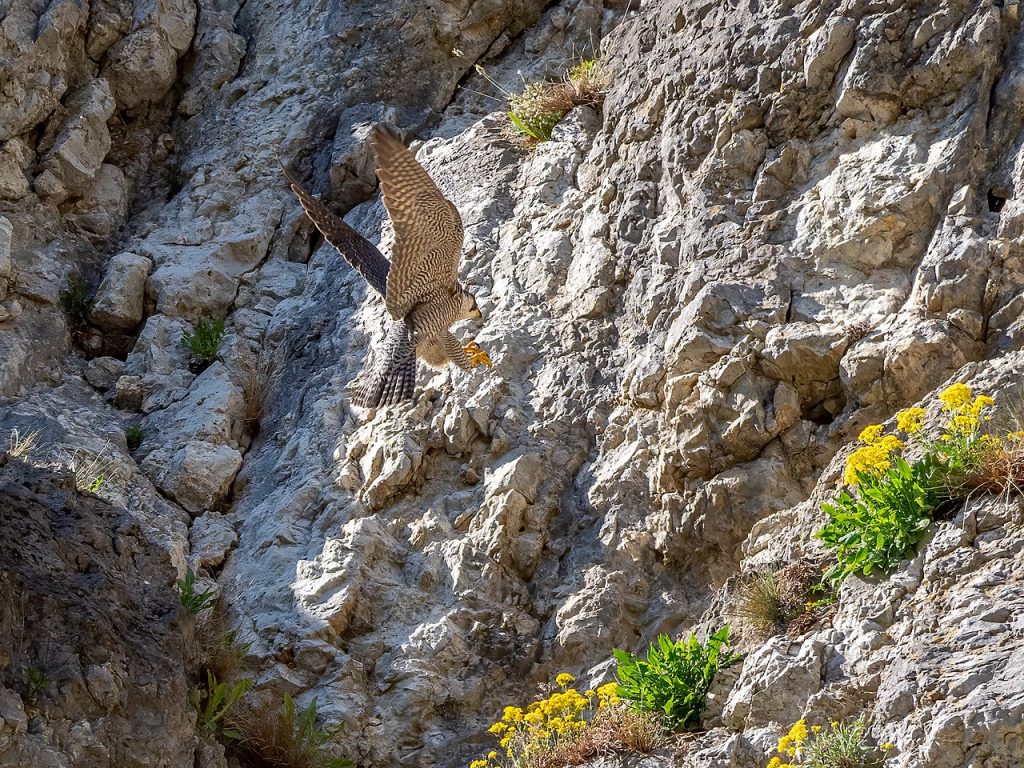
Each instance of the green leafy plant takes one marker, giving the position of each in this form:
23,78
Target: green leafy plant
215,701
532,113
75,300
133,436
889,501
839,745
284,736
538,107
203,342
192,600
36,684
675,677
881,525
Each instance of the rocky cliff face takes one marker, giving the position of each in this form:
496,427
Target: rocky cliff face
789,220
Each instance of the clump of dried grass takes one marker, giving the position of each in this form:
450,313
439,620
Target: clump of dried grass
22,446
277,734
615,728
255,381
771,600
215,644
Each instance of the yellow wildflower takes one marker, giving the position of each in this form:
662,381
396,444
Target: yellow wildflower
799,730
564,680
962,424
870,434
872,459
497,728
591,693
983,401
955,396
887,746
910,420
478,764
815,728
775,762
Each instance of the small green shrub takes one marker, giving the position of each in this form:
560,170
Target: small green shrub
279,735
133,436
531,112
193,601
839,745
203,342
889,502
36,684
214,702
537,109
675,678
882,525
75,301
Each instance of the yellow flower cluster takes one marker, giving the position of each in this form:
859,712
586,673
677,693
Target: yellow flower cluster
794,745
523,732
955,396
910,420
965,410
875,456
790,743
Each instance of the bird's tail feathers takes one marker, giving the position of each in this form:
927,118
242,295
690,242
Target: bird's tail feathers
392,379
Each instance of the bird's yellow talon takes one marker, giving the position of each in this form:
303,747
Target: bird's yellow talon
476,355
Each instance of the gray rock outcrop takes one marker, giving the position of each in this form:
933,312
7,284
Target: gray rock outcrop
786,221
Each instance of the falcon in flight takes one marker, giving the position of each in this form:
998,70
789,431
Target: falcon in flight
420,285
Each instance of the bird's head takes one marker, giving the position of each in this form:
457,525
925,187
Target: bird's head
469,308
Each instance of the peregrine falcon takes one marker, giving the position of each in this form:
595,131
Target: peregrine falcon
420,285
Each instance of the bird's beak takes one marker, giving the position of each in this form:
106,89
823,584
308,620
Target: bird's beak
475,313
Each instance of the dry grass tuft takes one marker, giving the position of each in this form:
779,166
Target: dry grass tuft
276,734
999,469
615,728
771,600
22,446
216,647
536,110
996,460
255,381
92,471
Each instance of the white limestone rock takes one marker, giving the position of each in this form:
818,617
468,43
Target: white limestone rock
118,305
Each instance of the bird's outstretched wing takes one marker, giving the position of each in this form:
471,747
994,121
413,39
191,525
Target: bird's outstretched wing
357,250
392,379
428,230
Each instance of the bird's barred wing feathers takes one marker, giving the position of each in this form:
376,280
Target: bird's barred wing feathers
428,230
357,250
